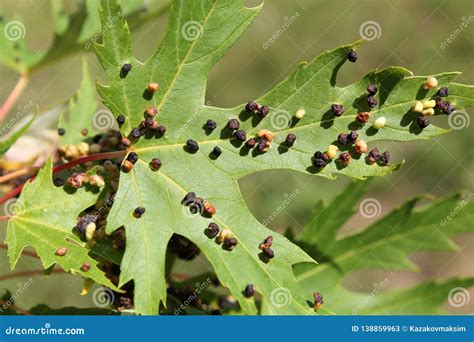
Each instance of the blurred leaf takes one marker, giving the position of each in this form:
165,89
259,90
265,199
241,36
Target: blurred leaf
72,32
80,115
385,244
423,299
325,221
36,222
199,34
12,137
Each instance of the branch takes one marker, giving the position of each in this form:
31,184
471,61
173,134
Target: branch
17,173
14,95
98,156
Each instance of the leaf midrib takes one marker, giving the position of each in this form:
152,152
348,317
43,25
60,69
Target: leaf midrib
257,262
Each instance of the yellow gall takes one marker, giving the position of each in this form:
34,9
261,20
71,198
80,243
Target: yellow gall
430,83
429,104
417,107
300,113
428,112
332,151
380,122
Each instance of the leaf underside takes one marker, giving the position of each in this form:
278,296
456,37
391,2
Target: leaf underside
181,67
38,223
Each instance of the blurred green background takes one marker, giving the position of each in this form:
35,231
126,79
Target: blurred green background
411,36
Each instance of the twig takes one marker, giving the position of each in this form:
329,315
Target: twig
17,173
98,156
14,95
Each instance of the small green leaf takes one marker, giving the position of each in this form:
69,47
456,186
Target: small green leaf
36,222
13,136
82,113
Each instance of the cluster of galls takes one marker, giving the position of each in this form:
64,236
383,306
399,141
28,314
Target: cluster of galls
321,159
265,247
427,108
100,143
197,205
147,124
254,108
222,236
132,158
78,179
262,141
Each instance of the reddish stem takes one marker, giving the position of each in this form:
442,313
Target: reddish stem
14,95
98,156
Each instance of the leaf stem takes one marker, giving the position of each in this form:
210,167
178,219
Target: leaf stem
98,156
14,95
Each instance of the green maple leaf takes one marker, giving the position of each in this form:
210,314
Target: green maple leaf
80,112
385,244
71,32
36,222
198,35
